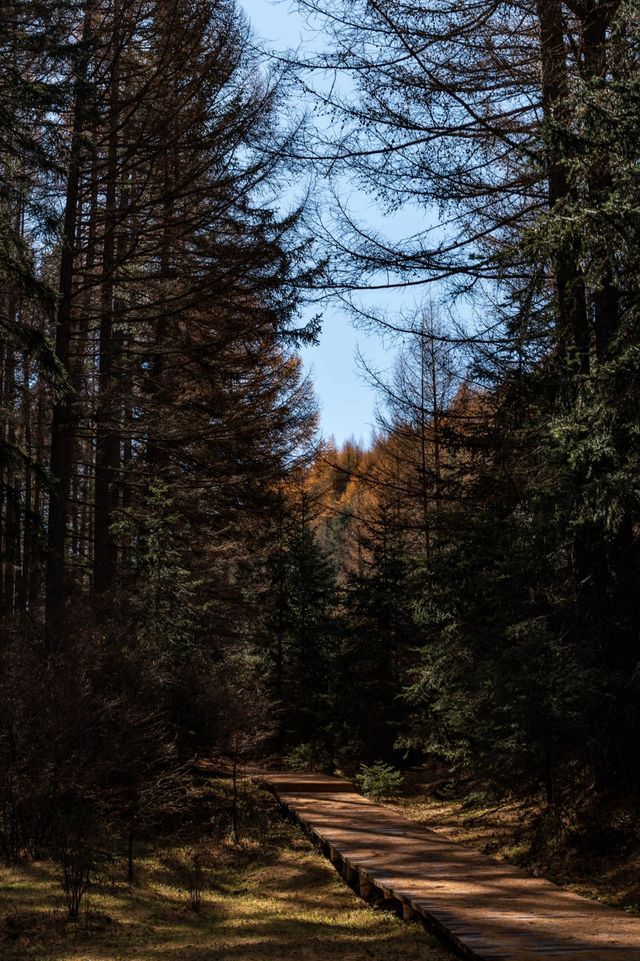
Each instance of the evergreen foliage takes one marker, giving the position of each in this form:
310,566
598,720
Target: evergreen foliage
379,781
185,569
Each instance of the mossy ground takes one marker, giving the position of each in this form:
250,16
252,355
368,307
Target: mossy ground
284,903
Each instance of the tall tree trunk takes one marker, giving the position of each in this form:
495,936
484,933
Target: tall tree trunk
595,60
62,417
23,598
3,478
107,443
12,524
424,476
162,325
35,539
573,324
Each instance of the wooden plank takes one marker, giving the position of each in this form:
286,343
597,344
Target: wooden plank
306,783
488,909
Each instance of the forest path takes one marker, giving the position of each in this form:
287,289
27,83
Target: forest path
488,909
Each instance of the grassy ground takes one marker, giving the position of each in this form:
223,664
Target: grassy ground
596,854
284,904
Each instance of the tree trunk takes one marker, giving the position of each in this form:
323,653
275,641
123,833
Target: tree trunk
573,325
234,810
12,523
107,443
62,417
130,860
23,599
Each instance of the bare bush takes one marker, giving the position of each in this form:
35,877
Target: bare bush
80,850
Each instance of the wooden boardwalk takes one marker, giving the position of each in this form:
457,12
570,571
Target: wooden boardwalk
487,909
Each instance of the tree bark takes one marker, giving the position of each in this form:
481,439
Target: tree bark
62,426
595,60
107,442
573,324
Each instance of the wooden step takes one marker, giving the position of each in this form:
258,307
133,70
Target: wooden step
293,783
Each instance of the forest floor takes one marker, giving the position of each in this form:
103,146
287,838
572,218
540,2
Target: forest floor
595,854
283,901
272,896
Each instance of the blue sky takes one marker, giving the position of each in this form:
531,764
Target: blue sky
346,401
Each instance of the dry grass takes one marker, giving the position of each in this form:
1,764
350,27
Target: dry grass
288,904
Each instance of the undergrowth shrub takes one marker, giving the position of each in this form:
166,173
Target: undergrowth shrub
80,850
195,880
191,866
310,756
379,780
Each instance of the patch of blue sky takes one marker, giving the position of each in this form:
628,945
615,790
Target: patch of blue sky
347,401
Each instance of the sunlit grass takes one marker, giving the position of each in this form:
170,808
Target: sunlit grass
288,905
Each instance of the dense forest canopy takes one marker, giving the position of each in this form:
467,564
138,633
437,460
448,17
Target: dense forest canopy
188,570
